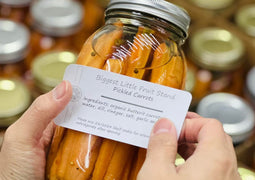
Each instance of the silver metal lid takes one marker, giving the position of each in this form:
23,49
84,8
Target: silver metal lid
14,40
232,111
217,49
57,17
212,5
160,8
245,19
250,81
16,2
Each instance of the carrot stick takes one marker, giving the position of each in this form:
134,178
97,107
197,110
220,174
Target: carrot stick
72,162
140,53
170,74
57,138
114,65
95,51
128,168
104,159
140,158
119,160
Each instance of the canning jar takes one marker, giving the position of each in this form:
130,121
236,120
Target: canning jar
55,24
14,46
250,86
234,112
48,70
245,19
218,57
142,39
16,10
14,100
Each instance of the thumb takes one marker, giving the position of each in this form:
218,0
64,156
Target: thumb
162,148
43,110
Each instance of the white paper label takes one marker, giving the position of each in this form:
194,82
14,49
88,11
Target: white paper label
119,107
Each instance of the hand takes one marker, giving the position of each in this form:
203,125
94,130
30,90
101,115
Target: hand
207,149
23,154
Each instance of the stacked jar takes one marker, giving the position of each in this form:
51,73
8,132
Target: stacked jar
55,24
217,56
16,10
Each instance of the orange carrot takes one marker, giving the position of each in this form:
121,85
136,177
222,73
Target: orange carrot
119,160
170,74
72,162
128,168
138,163
57,138
114,65
95,51
140,53
104,159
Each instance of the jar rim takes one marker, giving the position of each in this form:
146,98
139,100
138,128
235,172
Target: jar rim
161,9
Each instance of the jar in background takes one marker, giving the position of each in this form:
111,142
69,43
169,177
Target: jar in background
16,10
55,24
14,42
250,86
219,58
142,39
48,70
245,19
15,98
232,111
215,5
246,173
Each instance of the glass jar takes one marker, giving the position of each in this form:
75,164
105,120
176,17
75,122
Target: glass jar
48,70
14,42
15,98
218,56
213,5
232,111
245,19
55,24
250,86
16,10
142,39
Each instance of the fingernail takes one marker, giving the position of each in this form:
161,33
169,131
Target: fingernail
162,126
60,90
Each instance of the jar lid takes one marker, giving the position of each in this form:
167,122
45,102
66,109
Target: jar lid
246,174
250,81
16,2
57,17
212,5
14,100
14,40
232,111
245,19
190,80
48,68
162,9
216,49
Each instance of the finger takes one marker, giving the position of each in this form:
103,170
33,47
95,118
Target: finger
191,115
42,111
162,148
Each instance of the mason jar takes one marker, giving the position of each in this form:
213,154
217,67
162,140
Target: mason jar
14,46
16,10
219,58
15,98
142,39
234,112
48,70
245,19
55,23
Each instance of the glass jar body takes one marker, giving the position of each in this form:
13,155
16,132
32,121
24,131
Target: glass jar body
15,13
134,45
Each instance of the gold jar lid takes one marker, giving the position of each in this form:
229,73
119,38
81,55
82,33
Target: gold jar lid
216,49
245,19
48,68
212,5
14,100
246,174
